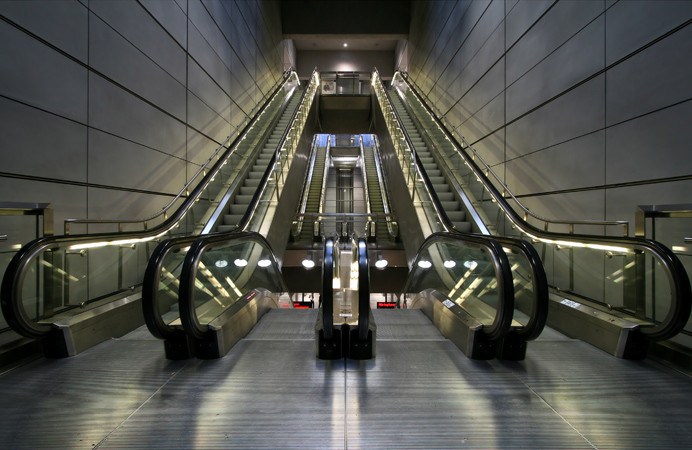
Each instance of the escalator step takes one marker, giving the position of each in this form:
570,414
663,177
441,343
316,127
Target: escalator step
238,209
456,216
450,206
464,227
232,219
247,190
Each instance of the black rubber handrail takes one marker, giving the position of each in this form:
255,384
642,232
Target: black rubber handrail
152,274
186,297
363,289
330,244
505,309
681,306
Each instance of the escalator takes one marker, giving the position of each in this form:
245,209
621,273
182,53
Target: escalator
449,198
377,197
194,287
73,291
313,194
241,201
641,293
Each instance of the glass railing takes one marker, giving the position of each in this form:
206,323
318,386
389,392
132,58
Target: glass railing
59,276
526,270
470,271
639,278
172,260
219,271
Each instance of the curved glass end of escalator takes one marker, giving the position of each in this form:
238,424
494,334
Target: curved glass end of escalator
226,284
485,297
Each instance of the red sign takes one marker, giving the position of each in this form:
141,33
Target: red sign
303,305
381,305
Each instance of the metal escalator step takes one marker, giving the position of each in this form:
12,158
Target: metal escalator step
238,209
445,196
464,227
441,187
247,190
252,182
450,206
225,228
456,216
437,180
232,219
255,175
243,199
433,172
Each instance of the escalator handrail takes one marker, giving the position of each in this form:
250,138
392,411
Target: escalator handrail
249,118
152,274
330,244
505,310
11,290
540,298
188,311
681,307
384,190
363,289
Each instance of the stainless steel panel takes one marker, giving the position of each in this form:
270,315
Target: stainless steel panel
23,127
121,61
64,24
135,24
273,393
61,90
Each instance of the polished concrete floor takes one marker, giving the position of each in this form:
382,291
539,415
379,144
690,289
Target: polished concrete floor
270,392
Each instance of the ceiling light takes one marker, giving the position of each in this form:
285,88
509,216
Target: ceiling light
264,263
221,263
381,263
424,264
345,44
240,262
450,264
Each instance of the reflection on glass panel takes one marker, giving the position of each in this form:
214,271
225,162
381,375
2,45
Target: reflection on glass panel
225,274
466,275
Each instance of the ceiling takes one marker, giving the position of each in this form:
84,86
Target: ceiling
355,42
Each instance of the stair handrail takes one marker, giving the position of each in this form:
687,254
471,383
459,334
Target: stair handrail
489,170
203,169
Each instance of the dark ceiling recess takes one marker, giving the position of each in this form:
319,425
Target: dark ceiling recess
345,17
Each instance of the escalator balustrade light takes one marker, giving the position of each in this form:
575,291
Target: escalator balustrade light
264,263
221,263
240,262
424,264
450,264
381,263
